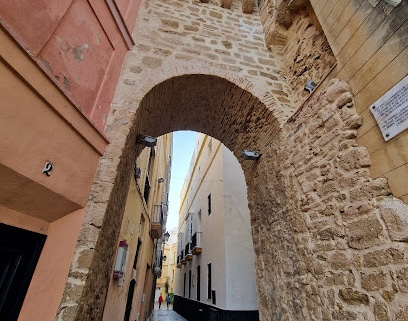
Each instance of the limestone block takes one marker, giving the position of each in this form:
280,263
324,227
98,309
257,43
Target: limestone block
331,233
389,296
247,6
381,312
339,261
85,259
67,313
344,315
374,281
72,292
225,3
402,279
395,215
354,159
364,233
383,257
353,297
402,314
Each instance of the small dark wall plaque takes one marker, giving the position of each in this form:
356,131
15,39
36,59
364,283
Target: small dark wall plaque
391,110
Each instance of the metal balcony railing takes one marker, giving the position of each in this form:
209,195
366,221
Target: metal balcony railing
158,214
196,243
157,221
187,253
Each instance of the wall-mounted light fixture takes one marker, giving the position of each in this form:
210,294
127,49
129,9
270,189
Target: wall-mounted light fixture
161,180
138,172
121,258
310,86
148,141
250,155
166,236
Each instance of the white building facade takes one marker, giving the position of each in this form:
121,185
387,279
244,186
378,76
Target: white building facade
215,278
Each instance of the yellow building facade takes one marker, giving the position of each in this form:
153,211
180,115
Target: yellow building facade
169,266
131,290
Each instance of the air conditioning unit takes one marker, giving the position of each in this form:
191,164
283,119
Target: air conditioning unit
138,172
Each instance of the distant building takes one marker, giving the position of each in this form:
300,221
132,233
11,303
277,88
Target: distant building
168,266
131,291
215,279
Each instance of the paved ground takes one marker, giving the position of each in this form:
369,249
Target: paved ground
165,315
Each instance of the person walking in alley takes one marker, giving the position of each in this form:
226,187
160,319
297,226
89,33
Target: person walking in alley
168,299
160,300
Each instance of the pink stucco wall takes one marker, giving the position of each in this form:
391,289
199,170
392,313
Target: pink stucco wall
48,282
80,44
60,64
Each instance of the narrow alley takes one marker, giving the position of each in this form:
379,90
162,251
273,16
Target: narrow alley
165,315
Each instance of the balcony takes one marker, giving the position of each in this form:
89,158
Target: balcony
183,259
157,221
179,261
188,255
196,243
158,263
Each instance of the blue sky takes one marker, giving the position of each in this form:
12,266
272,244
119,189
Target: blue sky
183,147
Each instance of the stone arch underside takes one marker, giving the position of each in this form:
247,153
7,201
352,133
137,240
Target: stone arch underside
211,105
317,216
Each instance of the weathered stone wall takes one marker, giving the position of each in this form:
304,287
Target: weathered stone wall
368,40
330,241
293,32
370,43
174,32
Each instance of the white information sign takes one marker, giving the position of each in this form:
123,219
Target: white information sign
391,110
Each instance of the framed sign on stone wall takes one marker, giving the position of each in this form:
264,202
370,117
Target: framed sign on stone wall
391,110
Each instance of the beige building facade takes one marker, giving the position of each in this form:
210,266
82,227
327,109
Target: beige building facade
168,267
131,291
215,278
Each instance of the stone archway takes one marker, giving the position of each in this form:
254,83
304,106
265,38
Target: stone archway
318,219
226,107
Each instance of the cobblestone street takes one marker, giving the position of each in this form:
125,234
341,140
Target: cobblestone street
165,315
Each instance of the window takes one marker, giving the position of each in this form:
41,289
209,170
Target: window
209,204
198,282
189,284
209,281
184,285
147,181
139,242
140,231
191,226
146,189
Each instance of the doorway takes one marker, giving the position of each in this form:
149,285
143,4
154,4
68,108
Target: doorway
19,253
129,300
